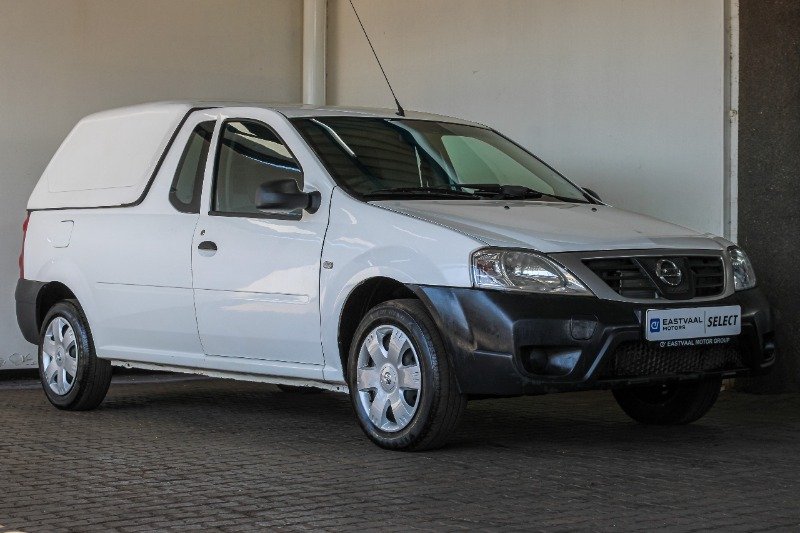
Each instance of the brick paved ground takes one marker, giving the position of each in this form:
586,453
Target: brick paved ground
220,455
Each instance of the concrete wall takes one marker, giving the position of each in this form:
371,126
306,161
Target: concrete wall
769,168
63,59
625,97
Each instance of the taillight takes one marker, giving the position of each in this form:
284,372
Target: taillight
22,253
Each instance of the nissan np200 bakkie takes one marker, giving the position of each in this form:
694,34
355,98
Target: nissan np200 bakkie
413,261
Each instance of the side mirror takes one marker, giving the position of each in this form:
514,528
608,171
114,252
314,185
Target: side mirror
591,193
285,195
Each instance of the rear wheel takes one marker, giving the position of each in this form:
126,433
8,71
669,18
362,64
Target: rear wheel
401,383
669,404
72,376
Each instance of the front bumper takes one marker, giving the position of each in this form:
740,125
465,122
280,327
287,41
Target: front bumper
506,343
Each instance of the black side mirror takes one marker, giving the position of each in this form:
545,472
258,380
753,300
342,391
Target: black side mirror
591,193
285,195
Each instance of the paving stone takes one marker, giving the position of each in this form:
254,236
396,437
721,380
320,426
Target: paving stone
219,455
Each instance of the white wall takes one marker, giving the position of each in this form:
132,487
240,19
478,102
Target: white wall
623,96
63,59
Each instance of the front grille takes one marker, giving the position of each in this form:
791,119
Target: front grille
624,276
709,275
636,359
628,277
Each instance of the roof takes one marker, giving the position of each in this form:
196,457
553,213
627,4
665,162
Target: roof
290,110
296,111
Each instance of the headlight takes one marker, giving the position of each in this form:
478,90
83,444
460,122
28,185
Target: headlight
525,271
743,275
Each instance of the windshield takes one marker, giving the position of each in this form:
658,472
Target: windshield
374,157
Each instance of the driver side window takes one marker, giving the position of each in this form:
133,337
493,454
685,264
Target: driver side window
250,154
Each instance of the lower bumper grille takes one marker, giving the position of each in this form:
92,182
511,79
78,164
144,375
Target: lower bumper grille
642,359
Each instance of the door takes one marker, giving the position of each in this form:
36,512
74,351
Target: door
256,275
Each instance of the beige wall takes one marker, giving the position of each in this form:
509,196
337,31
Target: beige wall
63,59
623,96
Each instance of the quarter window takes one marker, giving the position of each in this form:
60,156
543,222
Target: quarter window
187,184
250,154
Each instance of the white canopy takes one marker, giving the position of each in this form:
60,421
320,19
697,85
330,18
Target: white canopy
108,157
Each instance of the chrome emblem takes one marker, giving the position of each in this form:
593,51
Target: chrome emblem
387,378
669,272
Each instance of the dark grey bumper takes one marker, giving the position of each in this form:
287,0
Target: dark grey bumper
504,343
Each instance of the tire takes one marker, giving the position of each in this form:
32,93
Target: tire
402,385
72,376
671,404
295,389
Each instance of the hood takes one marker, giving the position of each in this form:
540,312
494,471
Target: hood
552,227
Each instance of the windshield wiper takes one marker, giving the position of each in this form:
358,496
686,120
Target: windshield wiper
458,189
419,191
513,191
461,190
499,191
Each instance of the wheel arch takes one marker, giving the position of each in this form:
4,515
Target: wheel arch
33,300
364,296
49,295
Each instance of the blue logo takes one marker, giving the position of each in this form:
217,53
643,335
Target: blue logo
655,325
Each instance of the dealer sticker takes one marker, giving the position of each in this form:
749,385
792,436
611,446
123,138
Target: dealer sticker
693,323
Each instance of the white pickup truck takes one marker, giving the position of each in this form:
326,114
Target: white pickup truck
415,261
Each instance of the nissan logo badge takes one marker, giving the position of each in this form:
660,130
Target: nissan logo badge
668,272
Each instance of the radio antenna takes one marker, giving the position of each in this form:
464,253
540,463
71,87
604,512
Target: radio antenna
400,111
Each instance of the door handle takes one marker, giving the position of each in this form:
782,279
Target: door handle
207,246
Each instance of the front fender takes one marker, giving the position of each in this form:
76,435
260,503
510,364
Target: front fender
364,241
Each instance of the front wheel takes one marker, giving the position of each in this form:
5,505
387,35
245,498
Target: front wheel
669,404
401,383
72,376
